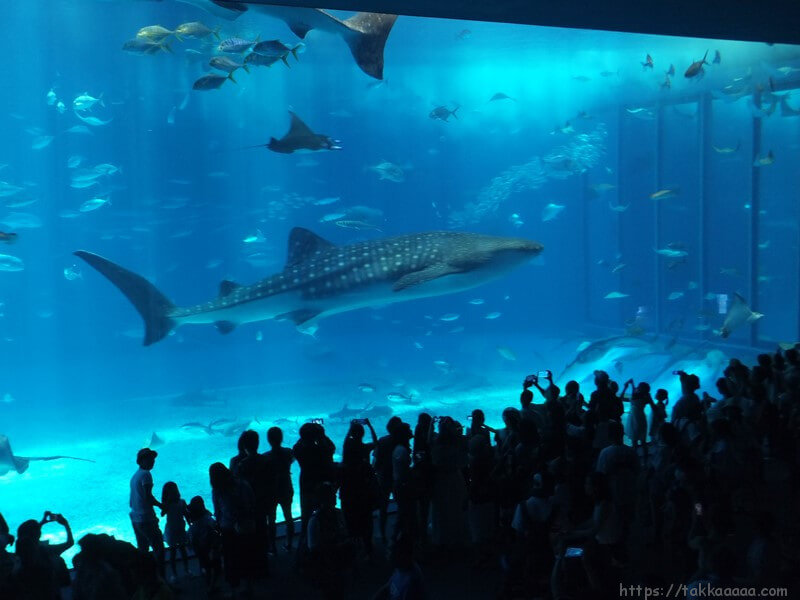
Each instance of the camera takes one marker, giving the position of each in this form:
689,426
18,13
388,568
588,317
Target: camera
530,380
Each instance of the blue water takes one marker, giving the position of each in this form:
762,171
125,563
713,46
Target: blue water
583,112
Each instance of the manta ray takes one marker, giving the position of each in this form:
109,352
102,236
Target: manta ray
300,138
9,462
738,314
322,279
364,33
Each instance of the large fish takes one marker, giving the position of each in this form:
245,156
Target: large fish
601,354
696,68
9,462
364,33
322,279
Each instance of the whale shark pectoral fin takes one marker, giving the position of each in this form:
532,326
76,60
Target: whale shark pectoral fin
226,287
225,327
298,317
424,275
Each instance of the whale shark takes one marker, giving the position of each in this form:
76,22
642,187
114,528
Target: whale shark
9,462
364,33
322,279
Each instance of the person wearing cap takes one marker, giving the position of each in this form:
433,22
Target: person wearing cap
143,515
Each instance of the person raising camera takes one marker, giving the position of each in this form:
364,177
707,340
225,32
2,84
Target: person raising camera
40,572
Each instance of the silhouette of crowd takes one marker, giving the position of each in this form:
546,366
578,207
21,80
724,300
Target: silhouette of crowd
554,504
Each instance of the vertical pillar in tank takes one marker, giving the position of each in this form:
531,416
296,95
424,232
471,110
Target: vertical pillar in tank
658,168
705,110
755,207
587,308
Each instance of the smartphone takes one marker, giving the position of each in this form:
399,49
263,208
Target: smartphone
573,552
544,375
359,421
317,421
698,509
677,372
469,417
529,380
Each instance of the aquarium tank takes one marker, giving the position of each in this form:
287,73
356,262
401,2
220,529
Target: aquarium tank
215,220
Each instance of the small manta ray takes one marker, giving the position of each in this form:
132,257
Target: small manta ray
764,161
9,462
696,68
155,441
501,96
739,313
300,138
566,129
348,413
717,58
208,429
671,72
648,62
727,149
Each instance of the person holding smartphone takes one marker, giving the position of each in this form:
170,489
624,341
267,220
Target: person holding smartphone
41,572
359,491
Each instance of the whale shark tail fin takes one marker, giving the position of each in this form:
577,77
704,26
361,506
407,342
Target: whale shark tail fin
152,305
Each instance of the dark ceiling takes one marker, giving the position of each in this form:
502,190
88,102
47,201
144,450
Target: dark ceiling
773,21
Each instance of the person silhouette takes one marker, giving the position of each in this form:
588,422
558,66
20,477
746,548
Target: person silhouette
143,516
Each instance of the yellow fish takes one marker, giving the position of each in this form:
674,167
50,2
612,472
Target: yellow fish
196,29
154,33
